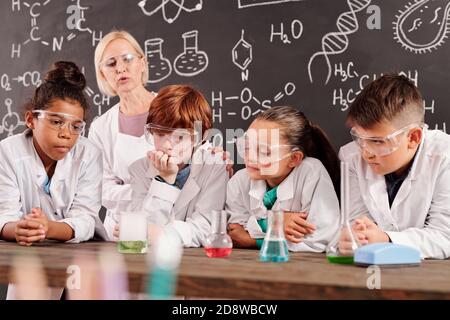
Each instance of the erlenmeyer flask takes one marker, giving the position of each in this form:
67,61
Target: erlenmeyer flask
341,249
218,244
274,248
192,61
159,67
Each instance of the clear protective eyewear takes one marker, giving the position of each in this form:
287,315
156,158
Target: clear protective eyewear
156,134
57,120
382,146
111,62
262,153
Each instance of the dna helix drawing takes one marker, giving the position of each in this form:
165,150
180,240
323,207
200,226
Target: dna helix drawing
334,43
413,17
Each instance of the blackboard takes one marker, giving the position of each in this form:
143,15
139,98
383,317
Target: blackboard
248,55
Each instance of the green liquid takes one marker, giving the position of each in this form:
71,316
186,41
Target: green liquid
132,246
340,259
275,251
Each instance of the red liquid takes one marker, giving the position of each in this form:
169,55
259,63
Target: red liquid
218,252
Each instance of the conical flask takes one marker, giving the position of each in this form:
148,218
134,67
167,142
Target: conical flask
159,67
341,249
274,247
192,61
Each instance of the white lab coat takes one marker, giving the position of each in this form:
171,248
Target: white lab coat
188,210
119,151
307,188
420,214
75,186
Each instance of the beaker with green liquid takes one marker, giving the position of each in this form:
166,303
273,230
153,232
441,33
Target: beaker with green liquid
133,228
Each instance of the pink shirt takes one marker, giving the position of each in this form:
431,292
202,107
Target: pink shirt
132,125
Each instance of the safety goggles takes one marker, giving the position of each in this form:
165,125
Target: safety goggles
111,62
382,146
158,135
57,120
262,153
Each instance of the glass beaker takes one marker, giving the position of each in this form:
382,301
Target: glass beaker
159,67
164,259
341,249
274,247
192,61
218,244
133,232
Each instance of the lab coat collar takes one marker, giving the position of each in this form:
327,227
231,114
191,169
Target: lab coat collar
191,188
286,188
115,118
59,177
414,173
38,165
258,188
189,192
256,193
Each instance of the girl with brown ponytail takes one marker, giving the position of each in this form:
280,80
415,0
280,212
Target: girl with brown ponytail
290,166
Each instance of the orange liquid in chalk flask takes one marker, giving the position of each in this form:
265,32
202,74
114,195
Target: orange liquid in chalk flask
192,61
159,67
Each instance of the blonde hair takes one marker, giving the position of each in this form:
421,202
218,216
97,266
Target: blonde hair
100,49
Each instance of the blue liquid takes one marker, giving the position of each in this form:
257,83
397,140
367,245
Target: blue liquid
274,251
162,284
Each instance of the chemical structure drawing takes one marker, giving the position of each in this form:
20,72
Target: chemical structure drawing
5,83
254,3
335,43
99,100
247,99
192,61
178,6
294,33
27,79
422,17
159,67
11,120
73,23
34,14
242,56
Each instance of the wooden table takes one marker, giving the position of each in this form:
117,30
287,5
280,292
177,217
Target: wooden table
242,276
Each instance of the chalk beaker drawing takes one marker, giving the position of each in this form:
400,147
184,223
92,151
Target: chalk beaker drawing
159,67
192,61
